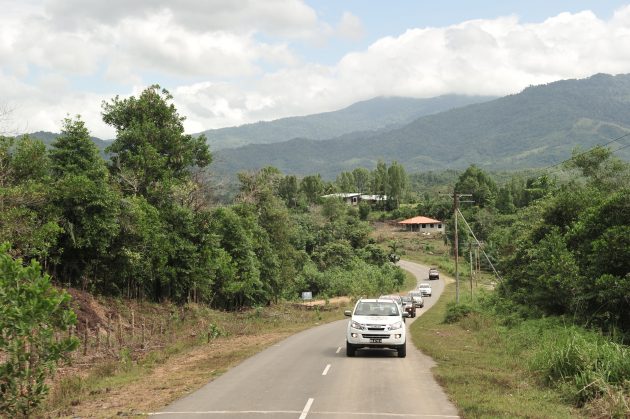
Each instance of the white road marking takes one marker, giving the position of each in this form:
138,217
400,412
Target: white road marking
326,369
306,409
391,415
226,412
338,350
304,413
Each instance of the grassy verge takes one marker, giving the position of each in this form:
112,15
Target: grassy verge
203,345
480,367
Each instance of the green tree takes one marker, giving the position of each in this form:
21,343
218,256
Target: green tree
396,184
289,191
151,148
244,287
361,177
479,184
32,315
312,186
379,180
27,219
345,182
88,207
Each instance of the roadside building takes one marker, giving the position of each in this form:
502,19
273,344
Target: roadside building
423,225
353,198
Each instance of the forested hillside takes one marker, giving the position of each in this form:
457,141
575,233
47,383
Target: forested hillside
537,127
380,113
49,137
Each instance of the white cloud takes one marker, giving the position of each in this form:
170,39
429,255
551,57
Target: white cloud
289,18
212,57
350,27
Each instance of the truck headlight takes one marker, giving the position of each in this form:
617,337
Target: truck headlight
397,325
357,325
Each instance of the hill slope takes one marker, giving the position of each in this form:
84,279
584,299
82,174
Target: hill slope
537,127
49,137
374,114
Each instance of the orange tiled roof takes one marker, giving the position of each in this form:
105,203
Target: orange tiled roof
420,220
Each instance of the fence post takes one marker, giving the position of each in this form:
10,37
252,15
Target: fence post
133,325
142,342
85,337
109,327
98,338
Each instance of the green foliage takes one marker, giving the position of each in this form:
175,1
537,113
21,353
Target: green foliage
583,365
478,183
26,218
457,312
32,313
535,128
86,204
151,147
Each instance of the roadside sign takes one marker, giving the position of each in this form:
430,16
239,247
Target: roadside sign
307,295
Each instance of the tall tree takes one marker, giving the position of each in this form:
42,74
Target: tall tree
88,207
396,183
361,177
151,149
480,184
26,218
345,182
312,186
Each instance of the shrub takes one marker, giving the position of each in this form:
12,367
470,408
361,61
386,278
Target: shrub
31,312
456,312
582,364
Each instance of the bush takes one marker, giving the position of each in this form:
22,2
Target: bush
582,364
456,312
31,312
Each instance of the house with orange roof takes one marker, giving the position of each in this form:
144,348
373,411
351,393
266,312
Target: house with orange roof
423,225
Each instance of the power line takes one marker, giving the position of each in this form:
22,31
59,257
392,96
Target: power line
590,150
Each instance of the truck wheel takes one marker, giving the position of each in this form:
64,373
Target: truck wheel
350,349
402,350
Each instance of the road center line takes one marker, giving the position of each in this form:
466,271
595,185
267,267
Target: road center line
326,369
307,407
338,350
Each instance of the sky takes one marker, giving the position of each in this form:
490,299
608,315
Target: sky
231,62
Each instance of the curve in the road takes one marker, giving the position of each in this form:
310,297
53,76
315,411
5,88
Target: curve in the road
308,376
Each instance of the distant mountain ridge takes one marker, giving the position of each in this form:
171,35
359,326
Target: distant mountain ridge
381,113
49,137
535,128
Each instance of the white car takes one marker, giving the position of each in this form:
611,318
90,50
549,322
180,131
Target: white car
425,289
376,323
416,296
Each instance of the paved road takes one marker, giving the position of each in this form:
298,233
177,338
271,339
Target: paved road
308,376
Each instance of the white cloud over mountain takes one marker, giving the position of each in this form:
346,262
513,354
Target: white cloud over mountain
229,65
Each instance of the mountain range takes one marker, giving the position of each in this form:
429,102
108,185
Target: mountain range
535,128
377,114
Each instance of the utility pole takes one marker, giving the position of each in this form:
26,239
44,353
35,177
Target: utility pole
471,269
456,203
456,207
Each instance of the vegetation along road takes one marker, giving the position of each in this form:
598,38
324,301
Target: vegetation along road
309,376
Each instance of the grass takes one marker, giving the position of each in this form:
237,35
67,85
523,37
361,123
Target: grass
492,363
481,371
132,383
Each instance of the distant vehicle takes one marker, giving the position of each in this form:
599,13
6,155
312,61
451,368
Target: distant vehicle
425,289
395,298
376,323
434,274
416,296
408,305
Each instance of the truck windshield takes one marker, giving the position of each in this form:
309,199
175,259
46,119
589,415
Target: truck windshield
377,309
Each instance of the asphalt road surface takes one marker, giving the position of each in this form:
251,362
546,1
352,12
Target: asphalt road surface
308,376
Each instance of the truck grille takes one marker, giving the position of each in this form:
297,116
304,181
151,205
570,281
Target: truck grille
375,327
375,336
